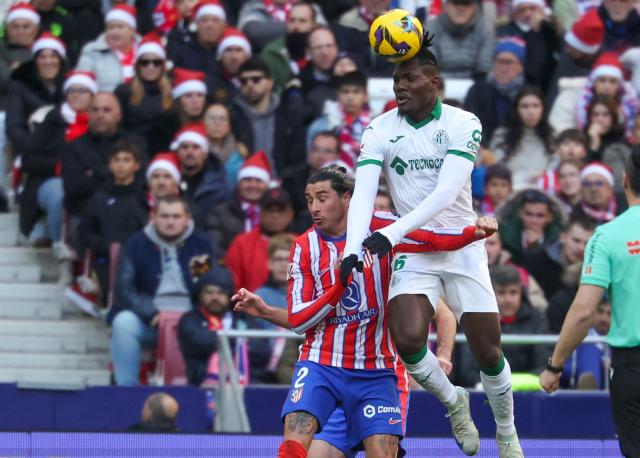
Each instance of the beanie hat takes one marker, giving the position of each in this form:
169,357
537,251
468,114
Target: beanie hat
23,11
601,169
233,37
49,41
85,79
123,13
607,64
216,276
513,45
185,80
165,161
587,33
193,132
209,7
151,44
256,166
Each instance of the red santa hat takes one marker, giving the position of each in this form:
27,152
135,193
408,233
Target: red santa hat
123,13
185,80
23,11
85,79
607,64
587,33
193,132
233,37
49,41
165,161
256,166
209,7
601,169
151,44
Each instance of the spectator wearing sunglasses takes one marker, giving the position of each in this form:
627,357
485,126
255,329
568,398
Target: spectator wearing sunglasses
149,92
529,220
598,201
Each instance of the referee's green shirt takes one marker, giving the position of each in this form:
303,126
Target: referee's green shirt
612,261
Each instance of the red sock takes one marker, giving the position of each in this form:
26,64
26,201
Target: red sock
291,449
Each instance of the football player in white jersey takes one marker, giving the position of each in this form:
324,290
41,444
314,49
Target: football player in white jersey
426,150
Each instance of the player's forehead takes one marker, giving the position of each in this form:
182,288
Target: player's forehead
404,69
319,187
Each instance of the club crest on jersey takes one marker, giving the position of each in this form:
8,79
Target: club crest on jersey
290,270
441,139
351,299
296,394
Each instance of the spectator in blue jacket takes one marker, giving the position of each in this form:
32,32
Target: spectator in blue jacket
158,267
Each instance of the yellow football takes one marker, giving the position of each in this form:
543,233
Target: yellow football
396,35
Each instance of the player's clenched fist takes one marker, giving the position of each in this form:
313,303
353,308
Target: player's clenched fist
486,226
346,267
378,244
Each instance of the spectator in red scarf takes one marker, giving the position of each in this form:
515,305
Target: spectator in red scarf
349,117
112,55
43,192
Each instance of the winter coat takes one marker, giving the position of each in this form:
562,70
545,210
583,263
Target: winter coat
541,50
113,214
618,37
85,166
567,68
98,58
44,151
61,24
140,268
225,222
247,259
315,92
164,127
474,43
9,55
289,133
615,155
535,293
275,54
192,55
137,119
256,22
546,265
484,100
511,224
26,94
563,111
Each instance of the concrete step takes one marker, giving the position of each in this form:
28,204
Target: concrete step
39,344
25,309
53,361
32,292
19,273
9,221
43,377
8,237
25,255
93,334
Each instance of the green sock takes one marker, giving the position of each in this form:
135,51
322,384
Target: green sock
496,370
416,357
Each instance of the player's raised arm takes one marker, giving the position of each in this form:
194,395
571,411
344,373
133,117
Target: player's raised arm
455,172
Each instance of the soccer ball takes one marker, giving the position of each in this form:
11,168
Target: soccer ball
396,35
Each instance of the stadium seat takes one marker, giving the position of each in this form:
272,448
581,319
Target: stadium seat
170,363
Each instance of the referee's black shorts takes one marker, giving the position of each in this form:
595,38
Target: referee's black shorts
625,398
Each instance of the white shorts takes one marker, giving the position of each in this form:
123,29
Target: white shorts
462,275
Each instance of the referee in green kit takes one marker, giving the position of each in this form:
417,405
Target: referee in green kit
611,263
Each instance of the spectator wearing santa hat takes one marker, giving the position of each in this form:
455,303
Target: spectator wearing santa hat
203,182
111,56
163,177
598,200
189,101
531,21
58,22
43,191
581,46
233,51
34,84
607,79
210,18
241,213
149,92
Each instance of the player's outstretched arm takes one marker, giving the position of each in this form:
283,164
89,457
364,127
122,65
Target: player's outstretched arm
253,305
361,207
305,315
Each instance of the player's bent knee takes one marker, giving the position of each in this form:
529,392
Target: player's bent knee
300,426
488,357
408,342
381,446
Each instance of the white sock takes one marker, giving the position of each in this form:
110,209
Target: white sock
428,373
498,389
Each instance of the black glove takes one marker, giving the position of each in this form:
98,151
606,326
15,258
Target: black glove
346,267
378,244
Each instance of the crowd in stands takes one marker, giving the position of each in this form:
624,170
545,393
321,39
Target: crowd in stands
162,148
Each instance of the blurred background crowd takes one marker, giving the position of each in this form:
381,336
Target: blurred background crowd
161,148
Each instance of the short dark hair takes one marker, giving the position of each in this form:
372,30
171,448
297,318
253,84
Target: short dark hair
424,56
328,133
504,275
171,199
583,222
354,78
632,169
533,196
123,146
309,5
341,182
572,135
256,64
500,171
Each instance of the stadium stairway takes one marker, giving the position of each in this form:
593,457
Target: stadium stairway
45,342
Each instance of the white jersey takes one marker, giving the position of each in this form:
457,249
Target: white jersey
411,155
